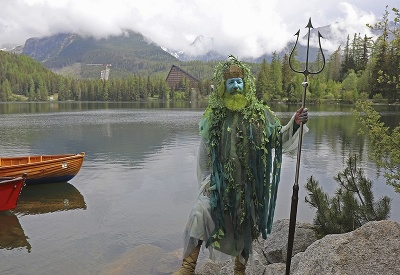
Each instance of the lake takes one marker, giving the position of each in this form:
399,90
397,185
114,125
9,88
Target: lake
128,205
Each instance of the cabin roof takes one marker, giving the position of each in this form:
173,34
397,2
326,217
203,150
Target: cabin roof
182,71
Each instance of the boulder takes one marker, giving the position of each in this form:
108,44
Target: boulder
272,250
371,249
210,268
275,246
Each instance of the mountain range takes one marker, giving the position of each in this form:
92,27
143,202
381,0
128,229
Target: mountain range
128,53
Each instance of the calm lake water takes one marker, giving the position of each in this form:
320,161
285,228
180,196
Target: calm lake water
128,205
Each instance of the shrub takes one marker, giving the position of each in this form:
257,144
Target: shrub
352,205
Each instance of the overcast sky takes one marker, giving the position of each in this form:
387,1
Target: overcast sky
243,28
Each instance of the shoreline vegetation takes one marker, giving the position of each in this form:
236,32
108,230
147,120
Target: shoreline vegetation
20,99
16,98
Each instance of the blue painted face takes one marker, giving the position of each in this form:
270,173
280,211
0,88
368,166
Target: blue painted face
234,85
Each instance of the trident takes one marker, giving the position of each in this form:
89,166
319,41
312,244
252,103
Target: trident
295,196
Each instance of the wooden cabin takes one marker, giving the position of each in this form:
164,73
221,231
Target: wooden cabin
175,78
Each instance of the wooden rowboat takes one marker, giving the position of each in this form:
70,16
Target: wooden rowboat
10,189
44,168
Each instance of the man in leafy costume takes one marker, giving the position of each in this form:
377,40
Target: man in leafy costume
239,167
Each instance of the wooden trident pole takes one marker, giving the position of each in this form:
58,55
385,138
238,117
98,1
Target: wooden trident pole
295,195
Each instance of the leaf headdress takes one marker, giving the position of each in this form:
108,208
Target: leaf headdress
215,99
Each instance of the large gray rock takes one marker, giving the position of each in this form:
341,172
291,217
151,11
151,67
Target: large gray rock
275,269
272,250
210,268
275,247
226,268
371,249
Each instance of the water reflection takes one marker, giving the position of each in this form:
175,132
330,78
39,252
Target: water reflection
48,198
50,107
34,200
11,233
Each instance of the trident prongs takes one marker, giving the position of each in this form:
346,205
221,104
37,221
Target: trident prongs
306,71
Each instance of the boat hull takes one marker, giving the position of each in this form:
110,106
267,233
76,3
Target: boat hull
43,169
10,190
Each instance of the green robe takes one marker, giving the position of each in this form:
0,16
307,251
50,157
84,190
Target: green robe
245,157
239,165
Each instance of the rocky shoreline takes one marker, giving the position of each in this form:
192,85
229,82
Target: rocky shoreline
371,249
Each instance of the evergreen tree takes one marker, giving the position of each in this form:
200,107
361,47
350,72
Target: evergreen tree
352,205
364,81
394,61
5,91
262,82
333,66
105,90
295,90
131,93
348,62
349,86
333,90
317,86
287,75
150,87
357,52
366,48
141,88
381,60
163,89
276,77
32,90
62,90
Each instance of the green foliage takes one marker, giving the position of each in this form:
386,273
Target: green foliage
22,78
352,205
333,88
348,97
262,82
333,66
363,96
386,69
179,95
276,77
377,97
385,142
21,75
350,82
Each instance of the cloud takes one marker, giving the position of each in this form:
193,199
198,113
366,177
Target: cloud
245,29
354,22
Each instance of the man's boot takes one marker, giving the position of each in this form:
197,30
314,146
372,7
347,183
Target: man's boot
239,268
189,263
